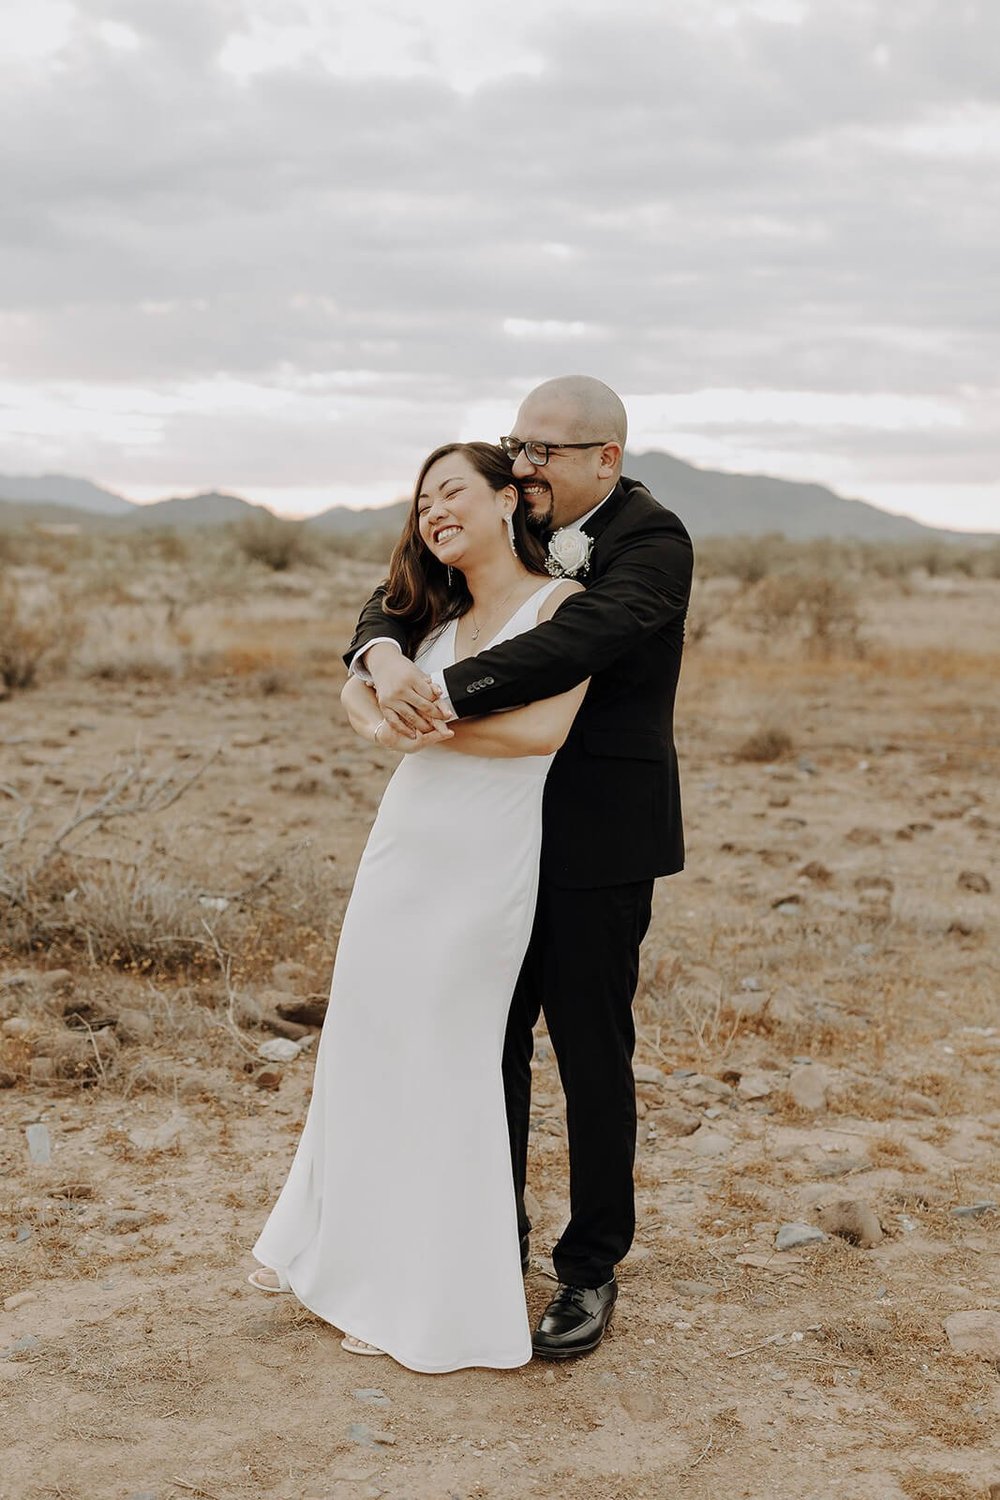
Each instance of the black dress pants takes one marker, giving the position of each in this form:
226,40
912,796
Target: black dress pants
581,970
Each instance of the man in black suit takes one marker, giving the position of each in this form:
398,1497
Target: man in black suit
612,812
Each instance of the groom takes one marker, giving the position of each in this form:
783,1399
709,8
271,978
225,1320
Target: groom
612,813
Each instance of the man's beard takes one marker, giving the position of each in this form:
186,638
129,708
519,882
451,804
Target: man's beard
539,520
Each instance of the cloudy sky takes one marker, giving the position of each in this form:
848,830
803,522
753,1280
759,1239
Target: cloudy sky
287,246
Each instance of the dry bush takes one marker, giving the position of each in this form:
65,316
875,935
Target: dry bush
30,631
817,610
769,743
277,544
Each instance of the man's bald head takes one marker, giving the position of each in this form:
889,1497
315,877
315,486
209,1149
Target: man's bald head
593,408
583,424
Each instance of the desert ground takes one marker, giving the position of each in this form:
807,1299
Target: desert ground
183,808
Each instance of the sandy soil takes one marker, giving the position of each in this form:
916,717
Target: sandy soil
819,1022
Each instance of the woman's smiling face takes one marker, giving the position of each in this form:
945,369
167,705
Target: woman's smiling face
459,514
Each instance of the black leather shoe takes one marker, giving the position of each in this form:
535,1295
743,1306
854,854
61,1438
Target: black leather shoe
575,1320
525,1254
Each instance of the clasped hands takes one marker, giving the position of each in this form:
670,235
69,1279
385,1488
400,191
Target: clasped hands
408,701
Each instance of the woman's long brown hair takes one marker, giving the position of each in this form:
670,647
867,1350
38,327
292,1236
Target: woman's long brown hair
417,591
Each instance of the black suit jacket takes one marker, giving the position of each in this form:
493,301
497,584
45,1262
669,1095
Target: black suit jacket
612,810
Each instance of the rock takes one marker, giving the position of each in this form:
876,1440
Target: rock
807,1088
39,1144
853,1220
268,1078
292,1030
705,1142
124,1220
134,1026
975,1332
372,1396
19,1299
288,975
20,1346
280,1049
359,1432
975,1210
972,880
55,982
791,1236
17,1026
754,1086
648,1073
159,1137
696,1291
43,1070
816,870
863,836
786,1008
751,983
839,1166
912,1103
79,1055
677,1121
309,1012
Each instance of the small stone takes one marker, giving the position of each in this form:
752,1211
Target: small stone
309,1012
972,880
807,1088
43,1069
56,982
159,1137
853,1220
19,1299
751,983
20,1346
124,1220
975,1210
694,1290
975,1332
367,1437
791,1236
372,1396
816,870
648,1073
677,1121
16,1026
754,1086
268,1078
913,1103
279,1049
705,1142
864,950
280,1027
39,1144
134,1026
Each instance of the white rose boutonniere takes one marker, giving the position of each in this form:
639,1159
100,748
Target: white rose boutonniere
569,553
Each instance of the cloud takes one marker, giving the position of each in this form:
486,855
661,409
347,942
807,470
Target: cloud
780,196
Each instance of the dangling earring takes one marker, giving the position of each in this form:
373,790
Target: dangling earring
449,575
509,523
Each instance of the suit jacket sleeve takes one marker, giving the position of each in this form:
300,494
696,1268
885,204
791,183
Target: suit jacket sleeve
644,585
374,622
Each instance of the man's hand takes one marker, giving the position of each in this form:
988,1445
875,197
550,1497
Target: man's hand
409,743
406,696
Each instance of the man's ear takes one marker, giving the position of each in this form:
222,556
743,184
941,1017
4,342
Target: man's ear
609,460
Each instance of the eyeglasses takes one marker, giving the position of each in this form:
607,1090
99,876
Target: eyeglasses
537,454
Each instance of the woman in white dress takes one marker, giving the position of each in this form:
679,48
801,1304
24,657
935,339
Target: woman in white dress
397,1221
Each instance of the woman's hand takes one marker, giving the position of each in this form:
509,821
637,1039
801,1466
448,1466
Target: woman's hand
408,743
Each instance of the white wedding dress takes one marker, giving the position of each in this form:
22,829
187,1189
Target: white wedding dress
397,1221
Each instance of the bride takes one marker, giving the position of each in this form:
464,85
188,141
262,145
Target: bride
397,1221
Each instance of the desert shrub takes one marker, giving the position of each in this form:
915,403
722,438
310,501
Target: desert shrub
818,609
30,631
275,543
768,743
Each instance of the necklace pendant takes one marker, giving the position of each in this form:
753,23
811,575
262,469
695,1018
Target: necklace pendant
475,635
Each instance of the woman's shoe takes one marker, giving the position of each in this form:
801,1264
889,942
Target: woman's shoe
358,1346
279,1283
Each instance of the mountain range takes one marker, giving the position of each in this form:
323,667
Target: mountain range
709,502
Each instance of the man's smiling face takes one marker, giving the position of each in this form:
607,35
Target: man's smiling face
574,480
